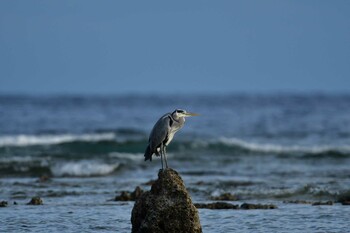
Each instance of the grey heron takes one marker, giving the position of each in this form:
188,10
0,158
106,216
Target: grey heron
163,132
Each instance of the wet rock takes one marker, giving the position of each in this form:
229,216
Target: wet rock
310,202
344,198
200,183
298,202
216,206
35,201
129,196
323,203
3,203
225,197
167,207
150,182
137,193
124,196
247,206
43,179
225,205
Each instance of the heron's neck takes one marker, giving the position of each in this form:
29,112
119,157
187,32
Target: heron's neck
177,119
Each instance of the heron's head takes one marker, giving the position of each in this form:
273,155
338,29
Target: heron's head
182,113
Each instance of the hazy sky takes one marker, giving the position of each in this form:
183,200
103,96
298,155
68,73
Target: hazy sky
174,46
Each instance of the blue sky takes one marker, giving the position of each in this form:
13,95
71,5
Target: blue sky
112,47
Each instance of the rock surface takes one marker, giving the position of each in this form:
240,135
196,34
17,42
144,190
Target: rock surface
225,197
129,196
297,202
216,206
344,198
225,205
3,203
309,202
323,203
248,206
35,201
166,208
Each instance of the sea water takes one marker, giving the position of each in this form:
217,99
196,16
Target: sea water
267,149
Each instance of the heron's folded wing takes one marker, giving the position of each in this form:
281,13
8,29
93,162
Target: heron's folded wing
159,132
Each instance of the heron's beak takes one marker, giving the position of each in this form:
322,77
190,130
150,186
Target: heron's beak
188,114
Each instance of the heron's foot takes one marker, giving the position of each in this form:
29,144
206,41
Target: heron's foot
163,170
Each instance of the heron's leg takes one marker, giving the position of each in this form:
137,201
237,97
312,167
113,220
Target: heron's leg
161,155
165,158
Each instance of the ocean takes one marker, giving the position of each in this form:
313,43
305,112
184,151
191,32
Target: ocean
262,148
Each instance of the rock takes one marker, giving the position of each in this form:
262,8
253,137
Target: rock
150,182
323,203
200,183
298,202
225,197
247,206
124,196
3,203
129,196
167,207
225,205
216,206
35,201
310,202
137,193
43,179
344,198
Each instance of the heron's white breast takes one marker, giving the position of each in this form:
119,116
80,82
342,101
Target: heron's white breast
170,137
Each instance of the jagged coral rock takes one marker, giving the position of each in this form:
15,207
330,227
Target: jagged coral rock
166,208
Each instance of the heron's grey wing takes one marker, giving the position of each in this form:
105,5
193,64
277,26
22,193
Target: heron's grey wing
159,132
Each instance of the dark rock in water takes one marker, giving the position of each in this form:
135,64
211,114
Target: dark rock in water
216,206
344,198
225,205
225,197
323,203
3,203
137,193
150,182
166,208
124,196
298,202
310,202
43,179
35,201
129,196
247,206
15,203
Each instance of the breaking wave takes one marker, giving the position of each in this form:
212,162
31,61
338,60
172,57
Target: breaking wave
282,149
103,153
115,145
83,168
31,140
35,166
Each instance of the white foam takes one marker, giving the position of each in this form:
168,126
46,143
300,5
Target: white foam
83,168
30,140
18,159
131,156
273,148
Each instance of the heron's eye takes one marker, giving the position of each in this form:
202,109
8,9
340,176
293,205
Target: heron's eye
180,111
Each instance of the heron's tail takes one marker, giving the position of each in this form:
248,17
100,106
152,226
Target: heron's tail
148,154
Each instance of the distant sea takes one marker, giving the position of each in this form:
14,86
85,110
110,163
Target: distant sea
263,148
